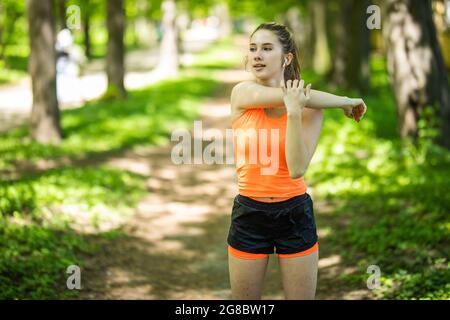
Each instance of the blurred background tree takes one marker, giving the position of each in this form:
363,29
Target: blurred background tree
115,15
45,120
416,67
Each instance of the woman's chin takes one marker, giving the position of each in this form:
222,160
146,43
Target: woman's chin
261,76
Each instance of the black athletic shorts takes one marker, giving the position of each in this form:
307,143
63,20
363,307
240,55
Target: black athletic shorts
258,227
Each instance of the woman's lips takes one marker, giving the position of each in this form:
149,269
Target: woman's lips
259,67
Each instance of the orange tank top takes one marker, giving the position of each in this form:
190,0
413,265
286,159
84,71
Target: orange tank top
259,155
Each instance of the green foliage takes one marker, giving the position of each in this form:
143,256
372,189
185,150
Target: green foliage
34,260
16,198
112,92
391,196
13,41
429,125
264,10
433,282
217,57
9,75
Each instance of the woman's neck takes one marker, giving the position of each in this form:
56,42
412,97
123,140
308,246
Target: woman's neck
272,82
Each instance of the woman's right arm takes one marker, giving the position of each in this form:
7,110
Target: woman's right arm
249,94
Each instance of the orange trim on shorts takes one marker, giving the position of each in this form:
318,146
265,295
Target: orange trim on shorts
314,248
246,255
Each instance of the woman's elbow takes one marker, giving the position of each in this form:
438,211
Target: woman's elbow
296,174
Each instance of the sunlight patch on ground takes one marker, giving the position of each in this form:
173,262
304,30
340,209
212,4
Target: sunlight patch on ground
138,166
201,295
324,232
126,285
329,261
95,219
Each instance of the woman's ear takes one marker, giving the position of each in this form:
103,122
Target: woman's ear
288,61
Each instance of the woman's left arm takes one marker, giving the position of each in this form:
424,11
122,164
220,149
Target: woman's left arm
249,94
325,100
352,107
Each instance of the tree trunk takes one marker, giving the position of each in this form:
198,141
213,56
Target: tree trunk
181,23
321,56
59,14
168,61
415,64
86,29
351,68
45,122
144,28
62,14
306,51
302,30
340,40
115,56
221,10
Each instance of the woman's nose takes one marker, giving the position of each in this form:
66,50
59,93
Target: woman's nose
256,56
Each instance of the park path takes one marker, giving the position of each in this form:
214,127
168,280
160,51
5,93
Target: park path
175,245
141,70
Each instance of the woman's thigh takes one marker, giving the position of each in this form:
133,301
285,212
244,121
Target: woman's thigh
247,277
299,276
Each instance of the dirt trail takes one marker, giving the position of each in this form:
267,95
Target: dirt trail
174,248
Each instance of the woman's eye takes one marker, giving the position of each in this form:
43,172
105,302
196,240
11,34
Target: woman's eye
267,49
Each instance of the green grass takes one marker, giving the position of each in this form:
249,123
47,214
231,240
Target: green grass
392,196
11,76
34,261
220,56
14,68
49,220
111,126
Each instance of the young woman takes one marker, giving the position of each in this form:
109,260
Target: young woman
274,211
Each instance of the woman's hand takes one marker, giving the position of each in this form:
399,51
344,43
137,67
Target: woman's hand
295,96
355,109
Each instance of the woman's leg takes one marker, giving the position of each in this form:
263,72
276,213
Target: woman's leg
299,276
247,277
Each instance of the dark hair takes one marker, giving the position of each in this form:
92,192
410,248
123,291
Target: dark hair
286,38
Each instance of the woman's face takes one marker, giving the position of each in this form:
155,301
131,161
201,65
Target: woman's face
265,55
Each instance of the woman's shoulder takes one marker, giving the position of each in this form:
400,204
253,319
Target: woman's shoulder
241,88
243,83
